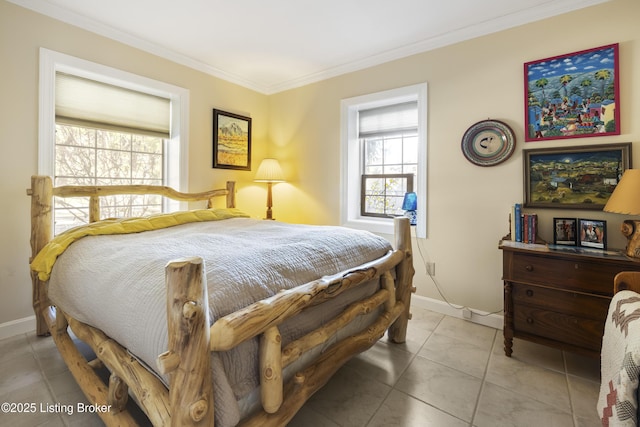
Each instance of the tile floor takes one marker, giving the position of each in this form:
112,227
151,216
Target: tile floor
450,372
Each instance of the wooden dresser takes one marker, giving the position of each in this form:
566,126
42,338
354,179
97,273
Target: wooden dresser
558,297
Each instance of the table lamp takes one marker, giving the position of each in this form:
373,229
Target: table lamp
269,171
409,206
625,199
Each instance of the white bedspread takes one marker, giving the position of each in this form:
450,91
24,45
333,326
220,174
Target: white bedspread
117,282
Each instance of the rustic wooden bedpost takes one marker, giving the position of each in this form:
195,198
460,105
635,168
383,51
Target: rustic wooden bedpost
94,208
271,378
231,195
188,359
41,193
404,278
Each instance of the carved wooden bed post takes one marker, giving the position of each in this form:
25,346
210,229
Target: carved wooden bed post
231,195
188,359
41,193
404,279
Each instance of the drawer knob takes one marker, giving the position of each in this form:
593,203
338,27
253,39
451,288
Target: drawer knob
528,267
529,320
529,293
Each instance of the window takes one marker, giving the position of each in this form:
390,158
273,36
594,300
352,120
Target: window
388,138
92,156
99,126
382,194
383,156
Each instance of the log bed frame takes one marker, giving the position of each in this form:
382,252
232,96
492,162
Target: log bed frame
188,401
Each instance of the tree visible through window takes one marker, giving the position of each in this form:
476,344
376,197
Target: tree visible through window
389,147
90,156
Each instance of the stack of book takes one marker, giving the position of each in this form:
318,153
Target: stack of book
524,226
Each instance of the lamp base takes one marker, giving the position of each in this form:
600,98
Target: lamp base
631,229
269,214
269,202
413,217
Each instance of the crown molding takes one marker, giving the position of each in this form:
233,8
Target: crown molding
501,23
547,10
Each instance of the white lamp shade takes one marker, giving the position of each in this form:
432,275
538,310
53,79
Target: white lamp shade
269,171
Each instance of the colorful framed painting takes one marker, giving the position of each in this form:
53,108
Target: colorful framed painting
231,141
573,96
581,177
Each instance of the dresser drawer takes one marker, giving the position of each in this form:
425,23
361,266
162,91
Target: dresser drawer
581,275
557,297
572,303
561,327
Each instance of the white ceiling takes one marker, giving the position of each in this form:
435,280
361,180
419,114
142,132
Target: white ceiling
270,46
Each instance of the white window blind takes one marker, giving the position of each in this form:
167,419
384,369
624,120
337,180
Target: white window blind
388,119
383,127
85,102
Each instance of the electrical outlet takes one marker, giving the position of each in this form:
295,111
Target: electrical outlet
431,268
466,313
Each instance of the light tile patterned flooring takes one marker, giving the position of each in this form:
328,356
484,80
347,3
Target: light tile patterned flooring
450,372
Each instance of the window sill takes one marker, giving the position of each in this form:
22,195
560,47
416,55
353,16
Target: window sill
374,225
384,226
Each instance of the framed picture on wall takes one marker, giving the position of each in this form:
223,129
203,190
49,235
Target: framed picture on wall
593,233
574,95
579,177
231,141
565,231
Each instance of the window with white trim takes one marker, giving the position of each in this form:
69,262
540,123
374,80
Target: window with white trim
102,126
383,138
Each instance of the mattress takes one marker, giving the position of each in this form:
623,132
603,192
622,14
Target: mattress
117,283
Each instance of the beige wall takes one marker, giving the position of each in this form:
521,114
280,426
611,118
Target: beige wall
468,82
467,205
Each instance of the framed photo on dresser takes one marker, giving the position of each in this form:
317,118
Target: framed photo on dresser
593,233
565,231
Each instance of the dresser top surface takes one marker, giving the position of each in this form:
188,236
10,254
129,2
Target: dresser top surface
565,251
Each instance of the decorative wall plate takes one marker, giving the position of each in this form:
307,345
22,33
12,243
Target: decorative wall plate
488,143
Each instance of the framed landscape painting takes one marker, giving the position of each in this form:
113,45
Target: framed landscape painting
231,141
581,177
573,96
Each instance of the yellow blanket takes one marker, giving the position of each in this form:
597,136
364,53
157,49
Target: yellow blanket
43,262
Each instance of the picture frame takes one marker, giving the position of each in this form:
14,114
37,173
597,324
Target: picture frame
565,231
593,233
579,177
231,141
574,95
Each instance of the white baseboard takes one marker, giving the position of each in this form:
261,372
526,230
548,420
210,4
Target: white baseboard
477,316
17,327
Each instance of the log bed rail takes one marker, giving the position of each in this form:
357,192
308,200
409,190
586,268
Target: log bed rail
188,401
